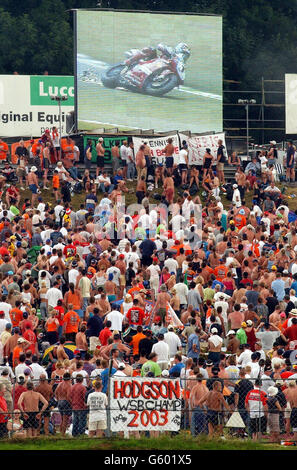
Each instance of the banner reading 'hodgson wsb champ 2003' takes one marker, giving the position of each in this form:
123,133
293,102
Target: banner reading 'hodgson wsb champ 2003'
26,107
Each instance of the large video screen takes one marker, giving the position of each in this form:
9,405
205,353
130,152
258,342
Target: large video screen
148,71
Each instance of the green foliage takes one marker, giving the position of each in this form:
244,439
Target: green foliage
259,37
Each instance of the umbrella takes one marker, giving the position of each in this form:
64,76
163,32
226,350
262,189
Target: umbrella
69,349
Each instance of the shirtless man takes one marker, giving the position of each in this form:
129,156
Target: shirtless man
238,294
168,188
103,305
275,318
168,151
161,304
214,401
198,392
233,343
33,184
29,405
47,392
291,395
100,156
110,287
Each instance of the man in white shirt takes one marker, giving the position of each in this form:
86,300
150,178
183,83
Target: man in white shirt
145,221
171,264
73,273
131,170
37,370
104,183
182,292
45,234
3,322
5,307
53,295
254,364
116,318
161,348
155,271
58,208
115,272
123,155
177,222
132,257
245,356
173,341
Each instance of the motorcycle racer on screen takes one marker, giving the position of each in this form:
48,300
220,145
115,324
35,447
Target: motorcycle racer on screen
154,71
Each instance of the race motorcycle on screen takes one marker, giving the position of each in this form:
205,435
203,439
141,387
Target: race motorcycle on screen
152,71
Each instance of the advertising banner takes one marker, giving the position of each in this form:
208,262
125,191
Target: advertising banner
157,144
108,143
26,107
145,404
291,103
135,72
198,145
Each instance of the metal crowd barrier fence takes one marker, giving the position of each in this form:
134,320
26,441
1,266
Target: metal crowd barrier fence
230,408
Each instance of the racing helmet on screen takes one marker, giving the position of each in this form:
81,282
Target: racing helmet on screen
183,48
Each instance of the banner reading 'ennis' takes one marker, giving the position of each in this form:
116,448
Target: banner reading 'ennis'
157,144
145,404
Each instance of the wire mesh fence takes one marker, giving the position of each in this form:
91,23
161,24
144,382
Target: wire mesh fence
240,408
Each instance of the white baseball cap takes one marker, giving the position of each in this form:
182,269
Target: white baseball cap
231,332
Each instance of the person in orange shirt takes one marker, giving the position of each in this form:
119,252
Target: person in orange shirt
67,148
134,289
56,184
3,150
240,219
51,326
37,146
30,336
71,324
136,339
220,271
22,344
16,315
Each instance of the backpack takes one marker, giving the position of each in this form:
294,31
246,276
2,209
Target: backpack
193,190
77,188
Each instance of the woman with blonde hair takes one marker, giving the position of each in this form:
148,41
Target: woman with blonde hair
199,286
96,355
128,303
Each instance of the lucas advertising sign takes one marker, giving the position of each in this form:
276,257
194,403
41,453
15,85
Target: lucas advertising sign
26,107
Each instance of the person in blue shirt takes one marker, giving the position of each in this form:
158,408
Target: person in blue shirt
104,375
91,200
294,283
118,177
194,345
278,287
178,366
